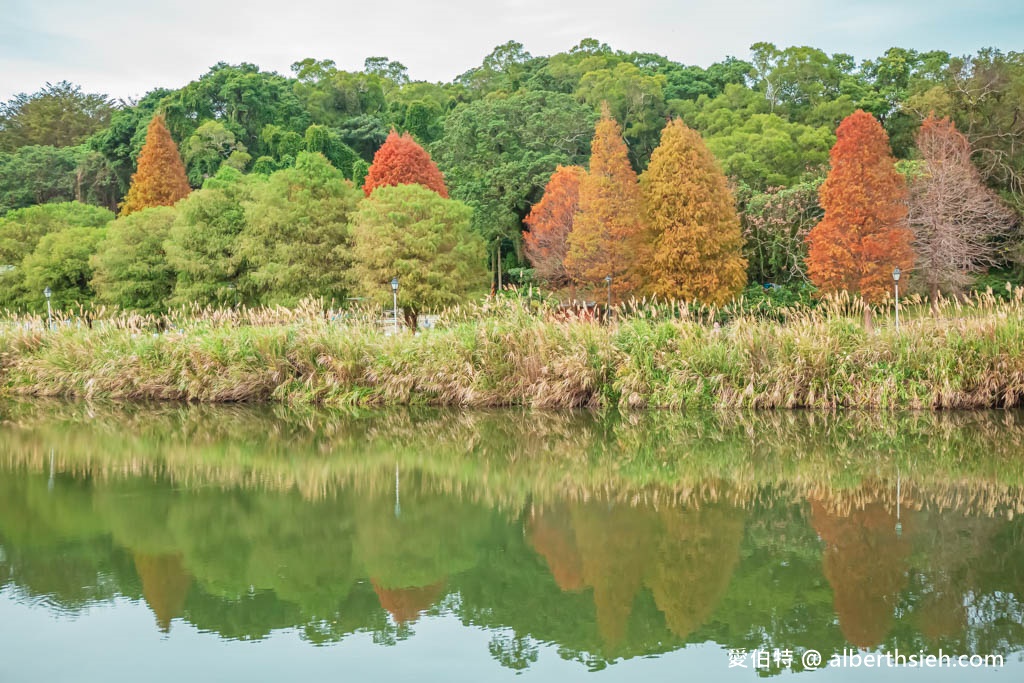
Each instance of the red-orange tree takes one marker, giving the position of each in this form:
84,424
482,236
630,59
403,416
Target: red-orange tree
550,222
864,233
606,233
160,179
401,161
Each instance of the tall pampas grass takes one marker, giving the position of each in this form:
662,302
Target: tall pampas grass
519,349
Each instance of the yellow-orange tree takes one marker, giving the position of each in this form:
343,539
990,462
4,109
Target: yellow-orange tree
605,237
160,179
550,222
693,227
864,233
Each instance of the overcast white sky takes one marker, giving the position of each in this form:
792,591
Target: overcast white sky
126,47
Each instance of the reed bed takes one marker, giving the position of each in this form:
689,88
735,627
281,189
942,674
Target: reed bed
519,350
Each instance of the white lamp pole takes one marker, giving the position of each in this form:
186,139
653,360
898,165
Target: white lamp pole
608,281
394,296
896,284
49,311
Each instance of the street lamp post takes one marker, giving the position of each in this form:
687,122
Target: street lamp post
896,284
49,311
394,296
608,281
899,524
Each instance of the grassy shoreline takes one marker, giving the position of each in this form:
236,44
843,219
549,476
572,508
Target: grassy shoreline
507,354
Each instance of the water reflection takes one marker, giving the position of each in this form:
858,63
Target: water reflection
605,537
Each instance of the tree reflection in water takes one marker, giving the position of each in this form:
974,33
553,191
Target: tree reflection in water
610,538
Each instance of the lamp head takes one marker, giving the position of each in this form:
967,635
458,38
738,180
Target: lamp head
47,292
607,279
394,284
896,274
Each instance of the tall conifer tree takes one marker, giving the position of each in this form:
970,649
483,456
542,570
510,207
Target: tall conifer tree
550,222
864,233
160,179
694,231
605,238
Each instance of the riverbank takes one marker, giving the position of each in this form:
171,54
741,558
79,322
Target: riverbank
966,357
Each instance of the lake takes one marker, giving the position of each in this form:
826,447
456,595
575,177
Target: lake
206,543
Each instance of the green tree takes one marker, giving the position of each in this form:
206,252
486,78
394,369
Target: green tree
328,142
424,120
365,134
636,100
59,115
206,149
690,82
20,233
130,267
503,70
392,72
756,147
775,227
37,175
498,154
242,98
296,235
360,169
61,261
767,151
423,239
202,246
332,97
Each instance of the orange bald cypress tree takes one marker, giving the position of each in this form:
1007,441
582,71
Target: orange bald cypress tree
864,233
160,179
696,243
550,222
401,161
607,230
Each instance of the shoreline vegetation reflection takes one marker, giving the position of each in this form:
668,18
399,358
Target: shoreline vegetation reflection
607,536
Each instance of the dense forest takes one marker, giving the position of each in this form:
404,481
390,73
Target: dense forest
497,133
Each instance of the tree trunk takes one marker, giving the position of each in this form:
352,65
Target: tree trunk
412,317
869,324
934,297
499,264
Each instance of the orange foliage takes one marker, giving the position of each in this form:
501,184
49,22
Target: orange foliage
694,228
550,222
608,228
551,535
864,233
865,562
160,179
401,161
406,604
165,585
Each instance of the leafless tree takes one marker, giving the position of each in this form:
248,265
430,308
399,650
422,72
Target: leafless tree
957,221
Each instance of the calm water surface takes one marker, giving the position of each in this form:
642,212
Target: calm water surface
221,544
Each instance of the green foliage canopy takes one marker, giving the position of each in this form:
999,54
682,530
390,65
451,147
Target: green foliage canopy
412,233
